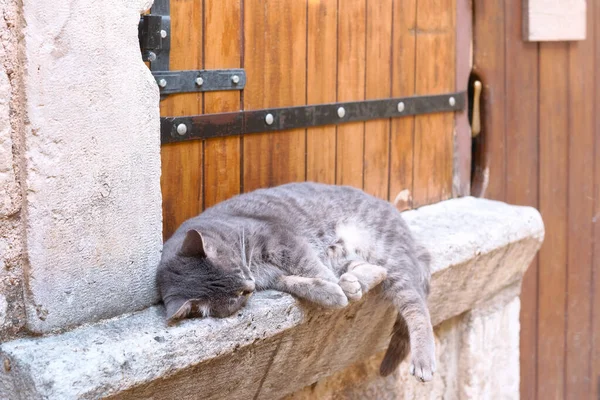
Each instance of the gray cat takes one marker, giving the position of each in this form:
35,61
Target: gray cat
322,243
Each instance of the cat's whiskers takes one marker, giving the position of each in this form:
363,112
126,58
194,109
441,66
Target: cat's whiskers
243,248
250,263
246,263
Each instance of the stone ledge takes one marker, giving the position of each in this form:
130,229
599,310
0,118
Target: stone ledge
466,346
276,345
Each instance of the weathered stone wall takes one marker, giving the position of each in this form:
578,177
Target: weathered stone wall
12,171
80,202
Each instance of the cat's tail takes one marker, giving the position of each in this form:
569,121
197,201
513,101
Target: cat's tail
398,348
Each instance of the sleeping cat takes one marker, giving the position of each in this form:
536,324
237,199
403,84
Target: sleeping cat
322,243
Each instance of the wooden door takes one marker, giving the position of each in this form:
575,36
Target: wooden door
542,143
298,52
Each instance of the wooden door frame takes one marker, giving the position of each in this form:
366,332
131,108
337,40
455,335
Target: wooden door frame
461,177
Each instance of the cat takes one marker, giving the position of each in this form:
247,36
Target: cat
325,244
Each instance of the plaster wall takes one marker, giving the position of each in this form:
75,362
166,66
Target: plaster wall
80,202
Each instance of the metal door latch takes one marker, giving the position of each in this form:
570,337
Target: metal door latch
154,32
476,110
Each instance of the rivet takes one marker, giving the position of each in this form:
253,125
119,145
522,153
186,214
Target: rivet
162,83
452,101
400,106
182,129
341,112
163,33
269,119
235,79
199,81
151,56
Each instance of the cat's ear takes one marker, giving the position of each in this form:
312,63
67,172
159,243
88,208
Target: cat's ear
193,245
177,310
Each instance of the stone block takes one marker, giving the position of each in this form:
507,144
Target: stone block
93,201
489,352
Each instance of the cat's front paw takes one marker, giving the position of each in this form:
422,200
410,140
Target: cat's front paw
330,295
423,365
351,286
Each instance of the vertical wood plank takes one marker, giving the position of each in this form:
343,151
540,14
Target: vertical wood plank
580,214
182,189
595,354
403,84
489,64
434,133
351,86
321,87
222,22
521,143
553,123
275,63
378,86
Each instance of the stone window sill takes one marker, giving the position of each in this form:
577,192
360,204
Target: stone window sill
275,346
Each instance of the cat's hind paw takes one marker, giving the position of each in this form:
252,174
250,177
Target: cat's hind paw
423,366
351,286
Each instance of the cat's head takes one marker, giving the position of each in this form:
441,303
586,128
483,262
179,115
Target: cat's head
204,279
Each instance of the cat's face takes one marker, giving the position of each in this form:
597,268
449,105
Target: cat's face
203,280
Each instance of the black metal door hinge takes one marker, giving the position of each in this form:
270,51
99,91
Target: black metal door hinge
154,33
